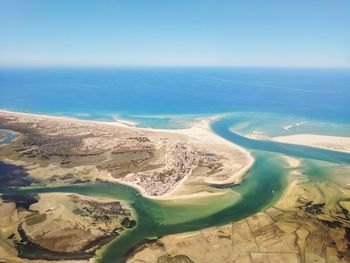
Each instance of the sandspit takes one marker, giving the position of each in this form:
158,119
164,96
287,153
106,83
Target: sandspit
335,143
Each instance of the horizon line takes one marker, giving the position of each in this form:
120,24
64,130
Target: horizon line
48,66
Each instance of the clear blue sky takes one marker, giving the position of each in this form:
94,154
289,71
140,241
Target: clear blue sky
175,32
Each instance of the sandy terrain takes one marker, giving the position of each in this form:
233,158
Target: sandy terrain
336,143
292,162
154,161
255,135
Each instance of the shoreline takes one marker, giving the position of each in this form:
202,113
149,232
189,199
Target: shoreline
115,122
328,142
198,133
168,196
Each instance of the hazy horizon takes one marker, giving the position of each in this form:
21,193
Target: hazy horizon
85,66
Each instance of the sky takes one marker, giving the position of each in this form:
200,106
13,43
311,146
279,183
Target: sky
275,33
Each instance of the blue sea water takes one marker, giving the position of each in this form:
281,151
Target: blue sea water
100,93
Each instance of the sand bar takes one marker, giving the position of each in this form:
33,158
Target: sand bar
335,143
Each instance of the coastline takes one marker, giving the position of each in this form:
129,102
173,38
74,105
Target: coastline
199,134
170,196
115,122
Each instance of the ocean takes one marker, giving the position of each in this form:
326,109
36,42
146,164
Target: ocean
104,93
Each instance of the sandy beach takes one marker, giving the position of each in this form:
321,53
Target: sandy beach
335,143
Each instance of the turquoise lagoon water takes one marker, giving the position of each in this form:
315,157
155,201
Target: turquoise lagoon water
263,100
